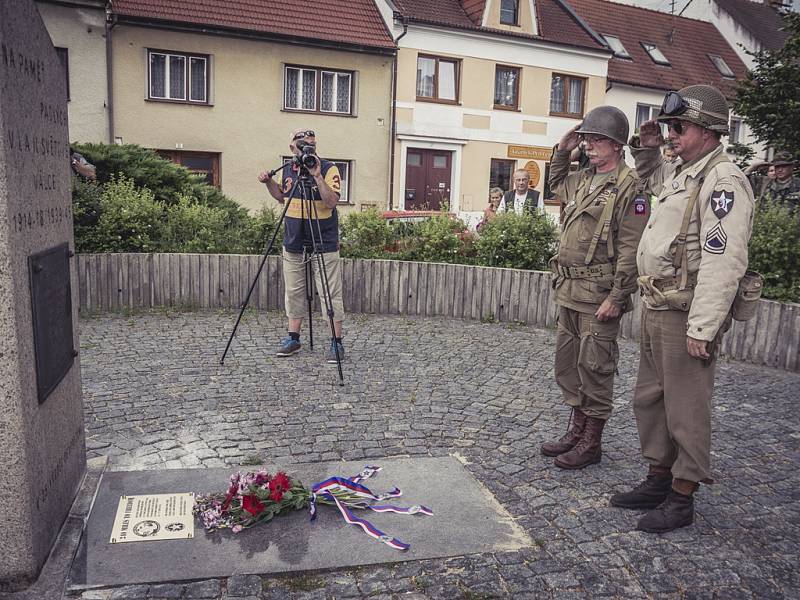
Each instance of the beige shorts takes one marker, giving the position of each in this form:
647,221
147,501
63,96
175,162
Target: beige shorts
294,282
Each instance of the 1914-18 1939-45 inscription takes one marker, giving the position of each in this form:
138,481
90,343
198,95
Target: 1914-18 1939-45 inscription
51,305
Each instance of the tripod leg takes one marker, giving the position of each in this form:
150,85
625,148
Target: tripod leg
322,274
309,280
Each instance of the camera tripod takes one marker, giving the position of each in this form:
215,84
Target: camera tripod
312,254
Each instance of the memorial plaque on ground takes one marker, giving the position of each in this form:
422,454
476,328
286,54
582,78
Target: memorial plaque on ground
41,413
466,520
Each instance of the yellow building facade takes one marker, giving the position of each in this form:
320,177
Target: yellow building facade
225,106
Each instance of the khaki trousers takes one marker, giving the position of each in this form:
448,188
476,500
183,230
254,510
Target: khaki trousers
672,401
586,359
294,280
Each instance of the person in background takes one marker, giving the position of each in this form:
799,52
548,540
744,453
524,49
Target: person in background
521,198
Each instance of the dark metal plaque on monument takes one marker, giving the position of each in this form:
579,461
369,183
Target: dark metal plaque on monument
51,304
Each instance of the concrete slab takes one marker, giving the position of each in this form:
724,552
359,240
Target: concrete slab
467,519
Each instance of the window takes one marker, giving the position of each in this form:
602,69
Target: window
501,173
345,169
648,112
318,90
656,54
735,131
722,66
506,87
645,113
63,56
178,77
509,11
437,79
566,95
616,46
201,163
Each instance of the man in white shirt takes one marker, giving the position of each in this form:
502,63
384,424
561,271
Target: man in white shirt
521,199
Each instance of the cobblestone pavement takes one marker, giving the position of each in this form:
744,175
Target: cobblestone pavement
157,398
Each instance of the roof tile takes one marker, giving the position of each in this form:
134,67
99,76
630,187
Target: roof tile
686,43
355,22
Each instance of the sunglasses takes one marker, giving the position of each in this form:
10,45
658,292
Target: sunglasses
677,126
303,134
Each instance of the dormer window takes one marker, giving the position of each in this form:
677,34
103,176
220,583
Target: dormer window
722,66
616,46
656,54
509,12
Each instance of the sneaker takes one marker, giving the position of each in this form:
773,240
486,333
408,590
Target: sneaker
288,347
330,357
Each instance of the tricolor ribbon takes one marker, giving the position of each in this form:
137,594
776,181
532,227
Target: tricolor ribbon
359,496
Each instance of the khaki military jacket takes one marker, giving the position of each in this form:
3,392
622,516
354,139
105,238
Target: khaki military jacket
582,213
719,231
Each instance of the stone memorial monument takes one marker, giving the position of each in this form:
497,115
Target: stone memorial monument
42,456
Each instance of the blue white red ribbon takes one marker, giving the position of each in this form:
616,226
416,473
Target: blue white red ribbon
360,496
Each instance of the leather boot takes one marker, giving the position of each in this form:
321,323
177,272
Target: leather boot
676,511
588,450
649,493
569,439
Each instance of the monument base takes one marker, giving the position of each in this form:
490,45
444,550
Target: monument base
466,520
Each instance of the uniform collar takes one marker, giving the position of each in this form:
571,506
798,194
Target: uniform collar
692,168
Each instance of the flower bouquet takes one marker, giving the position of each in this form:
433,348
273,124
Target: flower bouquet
257,497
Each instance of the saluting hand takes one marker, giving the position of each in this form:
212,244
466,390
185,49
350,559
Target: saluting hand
570,140
650,135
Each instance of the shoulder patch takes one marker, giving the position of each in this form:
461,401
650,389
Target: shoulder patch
721,202
640,206
716,240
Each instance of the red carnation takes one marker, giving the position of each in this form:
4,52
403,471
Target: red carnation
278,486
252,505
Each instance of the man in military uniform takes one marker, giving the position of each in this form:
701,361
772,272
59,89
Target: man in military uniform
785,188
595,273
690,259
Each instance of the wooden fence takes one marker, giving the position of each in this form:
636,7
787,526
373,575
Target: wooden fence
110,282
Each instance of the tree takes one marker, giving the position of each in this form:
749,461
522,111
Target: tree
768,99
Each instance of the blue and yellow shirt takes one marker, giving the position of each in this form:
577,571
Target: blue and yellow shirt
296,233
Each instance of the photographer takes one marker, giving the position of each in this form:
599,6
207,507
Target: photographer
323,185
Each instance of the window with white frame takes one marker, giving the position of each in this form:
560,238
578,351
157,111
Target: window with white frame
655,53
648,112
318,90
616,46
722,66
178,77
345,169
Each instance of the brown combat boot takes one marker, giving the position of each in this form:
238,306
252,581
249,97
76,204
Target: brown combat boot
588,450
569,439
677,510
649,493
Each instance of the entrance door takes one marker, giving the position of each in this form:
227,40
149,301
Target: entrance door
427,179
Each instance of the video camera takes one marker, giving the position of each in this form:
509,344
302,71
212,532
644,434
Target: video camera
308,154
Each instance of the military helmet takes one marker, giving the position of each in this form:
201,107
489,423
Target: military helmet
702,105
607,121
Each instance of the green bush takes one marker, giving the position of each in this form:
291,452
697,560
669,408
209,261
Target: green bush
87,200
365,234
196,228
130,220
439,239
259,231
775,251
517,241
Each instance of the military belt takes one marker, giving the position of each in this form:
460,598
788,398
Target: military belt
673,283
591,272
